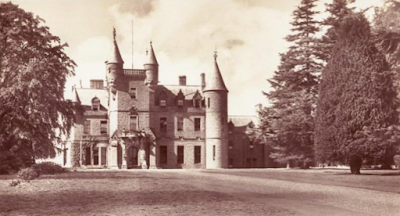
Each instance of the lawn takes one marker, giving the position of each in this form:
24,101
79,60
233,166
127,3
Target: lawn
167,192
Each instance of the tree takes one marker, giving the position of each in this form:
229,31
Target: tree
356,114
337,10
293,98
34,68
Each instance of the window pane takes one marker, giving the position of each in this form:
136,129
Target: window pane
132,92
86,127
197,124
180,123
133,123
197,154
180,155
103,127
180,102
163,124
163,103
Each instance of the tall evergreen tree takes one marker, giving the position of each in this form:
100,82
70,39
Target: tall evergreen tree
356,111
337,10
293,95
34,68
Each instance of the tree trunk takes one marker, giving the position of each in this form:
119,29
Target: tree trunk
355,164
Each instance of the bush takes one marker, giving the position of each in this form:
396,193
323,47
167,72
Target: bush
396,159
15,182
48,168
28,174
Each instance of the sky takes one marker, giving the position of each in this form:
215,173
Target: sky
247,34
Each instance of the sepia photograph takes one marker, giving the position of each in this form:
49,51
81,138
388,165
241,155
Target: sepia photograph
200,107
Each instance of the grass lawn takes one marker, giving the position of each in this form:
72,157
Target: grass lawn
162,192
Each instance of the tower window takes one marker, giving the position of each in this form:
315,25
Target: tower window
163,124
208,102
213,152
133,123
180,154
132,92
103,127
180,124
86,127
197,124
197,154
95,104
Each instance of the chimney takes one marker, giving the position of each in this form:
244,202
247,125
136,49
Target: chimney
96,84
203,80
182,80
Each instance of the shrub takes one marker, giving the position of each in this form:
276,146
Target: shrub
15,182
396,159
28,174
48,168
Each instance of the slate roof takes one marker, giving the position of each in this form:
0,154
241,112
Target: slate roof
215,82
239,121
188,90
85,96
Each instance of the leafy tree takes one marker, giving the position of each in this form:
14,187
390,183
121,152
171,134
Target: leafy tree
295,84
34,68
356,113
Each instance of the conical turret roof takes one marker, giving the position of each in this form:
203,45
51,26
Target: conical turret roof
115,55
215,82
151,56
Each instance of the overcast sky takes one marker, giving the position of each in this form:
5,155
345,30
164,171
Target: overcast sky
248,35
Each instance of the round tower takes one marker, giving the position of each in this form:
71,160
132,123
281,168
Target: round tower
114,66
216,96
151,67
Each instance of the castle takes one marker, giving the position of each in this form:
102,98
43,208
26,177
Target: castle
135,122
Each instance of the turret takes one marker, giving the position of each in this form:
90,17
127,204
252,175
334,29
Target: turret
216,96
114,66
151,68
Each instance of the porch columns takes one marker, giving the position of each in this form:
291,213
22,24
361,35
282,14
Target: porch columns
142,153
123,147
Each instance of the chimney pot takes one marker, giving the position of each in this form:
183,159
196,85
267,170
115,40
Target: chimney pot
182,80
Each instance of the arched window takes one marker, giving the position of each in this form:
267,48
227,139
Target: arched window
95,104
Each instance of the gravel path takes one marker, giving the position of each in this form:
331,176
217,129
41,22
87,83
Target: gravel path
187,192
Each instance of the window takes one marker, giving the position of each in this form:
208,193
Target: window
180,103
132,92
230,145
95,104
163,124
197,124
197,103
197,154
163,154
133,123
180,123
103,127
86,127
213,152
163,103
230,162
180,155
208,102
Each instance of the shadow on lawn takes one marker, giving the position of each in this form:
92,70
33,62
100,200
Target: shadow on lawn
101,175
88,201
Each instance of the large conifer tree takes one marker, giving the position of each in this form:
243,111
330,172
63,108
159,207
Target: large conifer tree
356,107
289,120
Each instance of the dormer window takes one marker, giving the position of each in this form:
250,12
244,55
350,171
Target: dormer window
180,103
95,104
197,100
163,103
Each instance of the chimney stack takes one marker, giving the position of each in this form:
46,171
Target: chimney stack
182,80
203,80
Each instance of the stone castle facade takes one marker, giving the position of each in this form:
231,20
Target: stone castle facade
133,121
